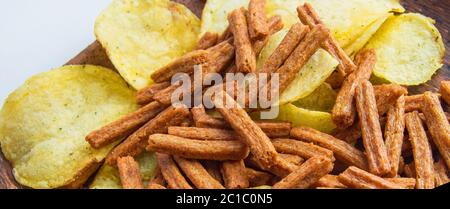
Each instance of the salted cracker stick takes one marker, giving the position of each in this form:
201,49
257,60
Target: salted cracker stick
356,178
197,174
155,186
423,157
275,25
330,181
257,20
302,149
171,172
164,96
295,160
438,125
375,148
124,126
145,95
445,91
386,96
258,178
342,150
129,173
306,175
408,183
197,149
415,102
245,56
213,168
136,142
203,133
234,175
441,173
208,40
184,64
394,134
344,111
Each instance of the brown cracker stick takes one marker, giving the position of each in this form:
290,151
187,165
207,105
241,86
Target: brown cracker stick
275,25
197,149
213,168
394,133
245,56
155,186
203,133
165,95
258,178
197,174
423,157
184,64
286,47
235,175
329,181
306,175
302,149
257,20
438,125
171,173
275,129
356,178
375,148
136,142
445,91
408,183
409,170
342,150
295,160
221,56
208,40
415,102
344,110
129,173
145,96
441,173
124,126
386,95
309,17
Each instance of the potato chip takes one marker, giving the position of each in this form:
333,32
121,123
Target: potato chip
322,99
142,36
311,76
108,176
302,117
44,122
409,49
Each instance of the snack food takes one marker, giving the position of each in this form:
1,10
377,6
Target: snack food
129,173
394,133
171,173
235,175
197,174
359,179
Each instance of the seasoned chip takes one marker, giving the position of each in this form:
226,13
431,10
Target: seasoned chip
409,49
322,99
44,122
142,36
302,117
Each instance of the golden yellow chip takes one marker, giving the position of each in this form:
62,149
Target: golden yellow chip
409,49
302,117
44,122
322,99
141,36
108,177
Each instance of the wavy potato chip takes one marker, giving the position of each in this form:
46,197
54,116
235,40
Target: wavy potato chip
302,117
44,122
322,99
108,176
409,49
141,36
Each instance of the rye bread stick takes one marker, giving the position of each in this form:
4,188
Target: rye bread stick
213,168
275,25
245,56
184,64
208,40
129,173
136,142
221,56
302,149
375,148
415,102
356,178
203,120
234,175
344,111
203,133
306,175
197,149
329,181
197,174
394,134
155,186
286,47
275,129
407,183
309,17
441,173
171,172
438,125
386,96
124,126
165,95
257,20
145,96
258,178
342,150
445,91
250,133
292,159
423,157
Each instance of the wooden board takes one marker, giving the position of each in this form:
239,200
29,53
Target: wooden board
436,9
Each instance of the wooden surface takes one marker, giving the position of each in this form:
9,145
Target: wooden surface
436,9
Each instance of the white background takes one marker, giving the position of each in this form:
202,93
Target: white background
38,35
